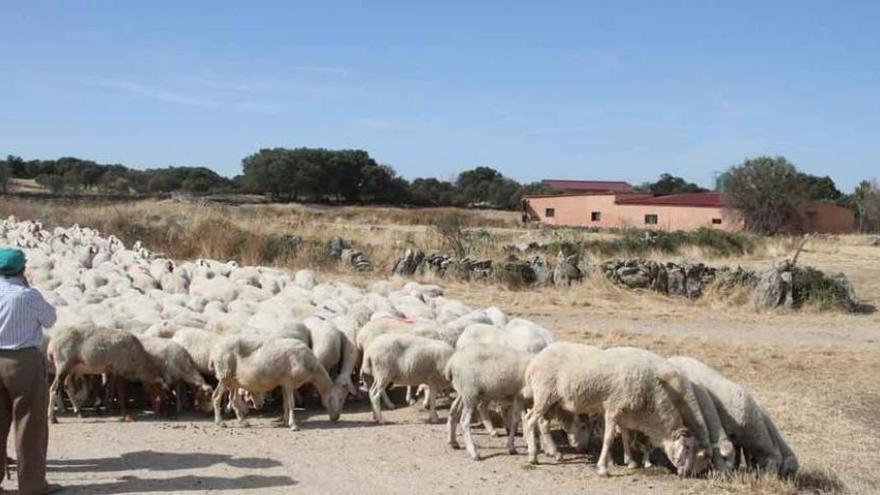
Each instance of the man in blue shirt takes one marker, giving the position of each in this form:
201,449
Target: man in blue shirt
24,397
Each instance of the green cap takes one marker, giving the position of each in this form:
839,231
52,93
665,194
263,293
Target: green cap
11,262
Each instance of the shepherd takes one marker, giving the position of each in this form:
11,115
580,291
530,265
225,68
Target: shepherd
24,393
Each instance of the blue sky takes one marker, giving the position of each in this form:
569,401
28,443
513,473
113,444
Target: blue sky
604,90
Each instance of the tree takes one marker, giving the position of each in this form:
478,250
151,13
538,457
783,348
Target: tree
769,193
5,175
821,188
475,185
54,183
16,166
433,192
670,184
865,200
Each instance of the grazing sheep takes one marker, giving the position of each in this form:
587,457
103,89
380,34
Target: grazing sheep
744,419
633,394
198,344
260,365
334,350
177,367
90,350
481,373
521,335
384,325
405,359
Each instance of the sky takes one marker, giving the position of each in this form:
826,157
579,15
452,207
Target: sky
590,90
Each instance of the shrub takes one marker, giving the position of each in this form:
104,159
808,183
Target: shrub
450,228
813,287
721,242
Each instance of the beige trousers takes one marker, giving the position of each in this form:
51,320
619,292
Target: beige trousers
24,398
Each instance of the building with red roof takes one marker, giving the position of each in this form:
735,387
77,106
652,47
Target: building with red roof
684,211
592,186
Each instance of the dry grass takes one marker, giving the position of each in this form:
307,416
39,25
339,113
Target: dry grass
253,235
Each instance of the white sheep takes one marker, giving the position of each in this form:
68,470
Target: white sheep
334,350
405,359
259,365
633,394
177,367
89,350
481,373
744,419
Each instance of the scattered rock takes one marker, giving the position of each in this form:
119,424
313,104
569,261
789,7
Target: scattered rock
771,289
356,259
337,245
566,270
543,272
409,263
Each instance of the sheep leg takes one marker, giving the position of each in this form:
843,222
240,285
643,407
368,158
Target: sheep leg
547,443
467,411
607,441
377,390
627,438
530,423
452,420
53,394
486,419
178,399
240,409
217,402
432,402
119,386
289,407
70,390
409,395
422,389
512,417
387,400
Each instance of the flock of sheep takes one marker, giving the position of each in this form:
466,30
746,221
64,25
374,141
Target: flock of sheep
128,315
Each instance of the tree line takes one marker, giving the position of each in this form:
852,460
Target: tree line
770,191
85,176
300,174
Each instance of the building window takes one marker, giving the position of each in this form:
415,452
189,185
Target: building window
716,221
550,212
650,219
596,216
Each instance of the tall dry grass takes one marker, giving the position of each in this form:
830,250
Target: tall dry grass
294,236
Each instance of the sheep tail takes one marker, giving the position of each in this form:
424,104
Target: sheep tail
447,371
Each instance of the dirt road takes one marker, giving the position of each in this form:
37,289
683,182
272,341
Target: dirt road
816,375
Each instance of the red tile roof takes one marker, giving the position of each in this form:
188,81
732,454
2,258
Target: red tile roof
588,185
713,199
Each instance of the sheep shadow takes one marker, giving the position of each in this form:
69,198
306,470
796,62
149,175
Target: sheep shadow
158,461
182,484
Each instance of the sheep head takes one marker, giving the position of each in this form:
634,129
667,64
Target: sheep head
333,400
202,398
681,449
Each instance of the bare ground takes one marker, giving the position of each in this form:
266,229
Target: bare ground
816,374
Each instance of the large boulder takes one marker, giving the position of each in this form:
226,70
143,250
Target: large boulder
772,289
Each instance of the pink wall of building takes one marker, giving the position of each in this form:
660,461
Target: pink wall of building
630,211
829,218
577,210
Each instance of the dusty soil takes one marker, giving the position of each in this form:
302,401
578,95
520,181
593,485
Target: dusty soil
816,374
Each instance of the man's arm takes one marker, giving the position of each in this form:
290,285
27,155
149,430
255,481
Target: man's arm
44,311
